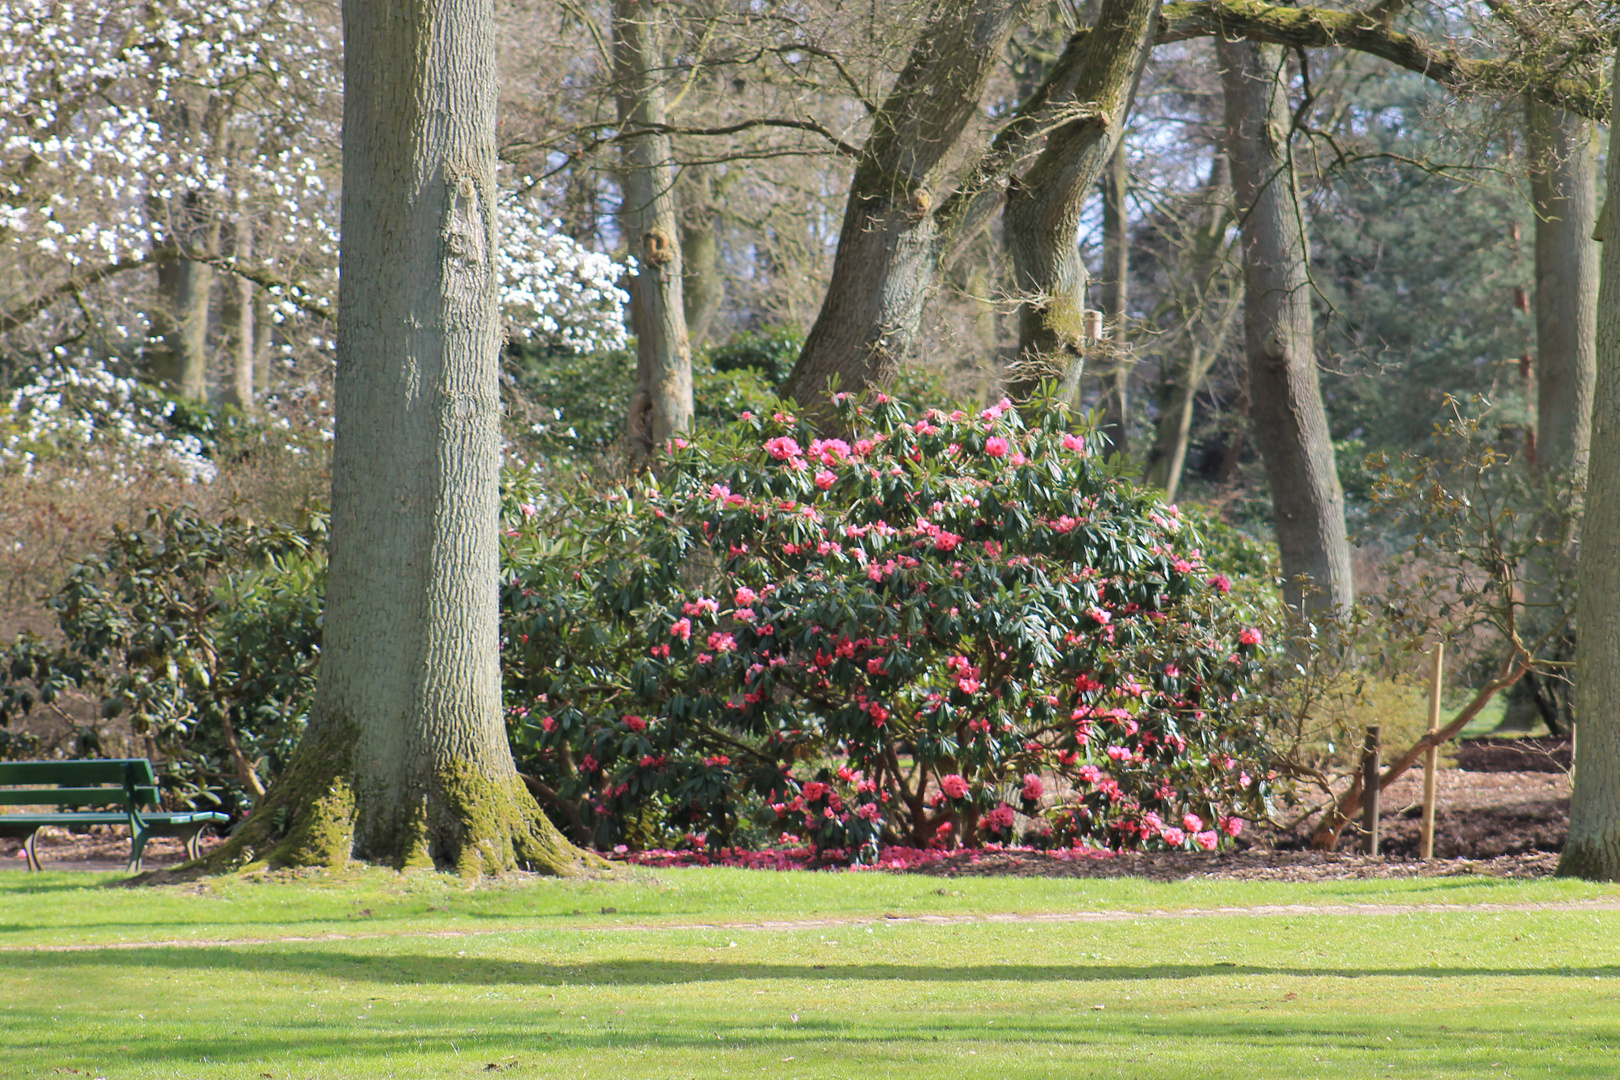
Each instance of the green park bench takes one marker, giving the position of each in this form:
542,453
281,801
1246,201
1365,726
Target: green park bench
125,783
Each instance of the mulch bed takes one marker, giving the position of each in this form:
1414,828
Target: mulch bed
1492,820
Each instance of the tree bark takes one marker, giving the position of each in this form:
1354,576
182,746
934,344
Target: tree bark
1041,221
1574,87
702,287
1115,296
1593,848
661,403
177,349
1563,186
405,761
236,318
1290,424
891,240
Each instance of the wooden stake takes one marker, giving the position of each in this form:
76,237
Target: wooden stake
1369,786
1431,756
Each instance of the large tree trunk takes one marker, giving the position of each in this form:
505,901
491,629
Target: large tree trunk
1290,425
891,241
661,402
1563,187
1042,218
1593,847
1116,274
405,761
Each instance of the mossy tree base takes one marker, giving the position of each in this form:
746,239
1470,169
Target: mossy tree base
463,820
1592,861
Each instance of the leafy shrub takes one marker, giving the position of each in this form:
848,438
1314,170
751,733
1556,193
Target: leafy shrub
917,637
206,634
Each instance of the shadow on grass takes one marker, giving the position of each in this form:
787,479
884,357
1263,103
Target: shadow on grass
408,969
1076,1033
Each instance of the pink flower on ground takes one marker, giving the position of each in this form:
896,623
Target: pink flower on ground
995,446
954,786
681,628
1208,840
1250,636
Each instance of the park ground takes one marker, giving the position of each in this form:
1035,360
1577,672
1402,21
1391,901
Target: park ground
1257,964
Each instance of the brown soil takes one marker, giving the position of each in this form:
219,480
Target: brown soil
1491,820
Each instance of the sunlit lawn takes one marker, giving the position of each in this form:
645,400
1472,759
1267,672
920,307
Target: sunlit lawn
671,975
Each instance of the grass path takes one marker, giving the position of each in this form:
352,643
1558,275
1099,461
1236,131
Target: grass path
727,973
778,925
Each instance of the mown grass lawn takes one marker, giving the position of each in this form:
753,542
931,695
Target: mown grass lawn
693,973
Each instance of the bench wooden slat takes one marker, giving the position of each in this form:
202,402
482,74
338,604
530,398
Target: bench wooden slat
74,796
110,771
17,822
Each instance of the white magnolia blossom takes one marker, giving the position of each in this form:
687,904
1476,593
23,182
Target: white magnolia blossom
126,129
554,290
86,412
116,119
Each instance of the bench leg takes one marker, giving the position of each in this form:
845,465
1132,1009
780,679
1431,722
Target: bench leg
192,837
137,842
33,855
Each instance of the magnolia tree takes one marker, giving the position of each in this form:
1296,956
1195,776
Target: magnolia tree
184,131
920,636
199,139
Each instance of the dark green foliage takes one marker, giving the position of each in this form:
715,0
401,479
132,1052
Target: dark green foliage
204,634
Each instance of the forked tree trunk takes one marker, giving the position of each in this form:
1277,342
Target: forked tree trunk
1042,218
1116,282
661,401
1290,424
891,241
1593,848
405,761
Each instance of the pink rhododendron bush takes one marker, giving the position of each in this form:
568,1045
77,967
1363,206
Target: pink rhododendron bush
946,630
